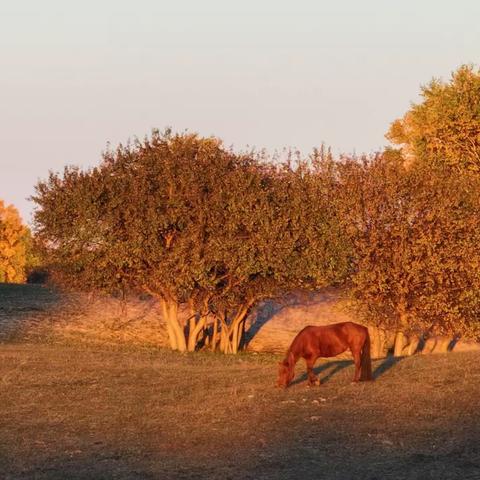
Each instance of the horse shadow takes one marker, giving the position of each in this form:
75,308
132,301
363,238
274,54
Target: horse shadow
328,368
332,368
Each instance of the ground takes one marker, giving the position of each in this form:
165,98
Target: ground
71,411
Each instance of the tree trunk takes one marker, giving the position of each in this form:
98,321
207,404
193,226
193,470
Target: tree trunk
399,343
236,329
376,342
412,345
214,334
224,336
230,335
174,329
237,336
172,338
401,328
195,332
234,342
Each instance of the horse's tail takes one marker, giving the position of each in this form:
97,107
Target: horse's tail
366,361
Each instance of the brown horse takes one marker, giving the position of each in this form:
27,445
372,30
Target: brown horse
328,341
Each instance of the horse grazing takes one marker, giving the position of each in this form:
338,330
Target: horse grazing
327,341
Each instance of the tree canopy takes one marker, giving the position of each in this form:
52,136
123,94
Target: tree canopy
191,223
415,234
445,127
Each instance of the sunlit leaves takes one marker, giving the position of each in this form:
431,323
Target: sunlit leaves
14,238
445,127
188,221
416,238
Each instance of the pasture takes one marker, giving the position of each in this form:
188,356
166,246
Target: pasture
98,411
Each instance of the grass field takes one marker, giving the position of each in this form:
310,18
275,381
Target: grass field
71,411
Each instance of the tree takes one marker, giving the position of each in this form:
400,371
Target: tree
192,224
445,127
416,262
13,240
136,222
280,234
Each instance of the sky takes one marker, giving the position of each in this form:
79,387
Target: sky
75,76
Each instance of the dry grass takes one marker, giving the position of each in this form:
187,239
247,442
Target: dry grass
81,400
32,312
83,412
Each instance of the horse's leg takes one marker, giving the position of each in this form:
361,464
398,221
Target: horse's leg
312,378
357,358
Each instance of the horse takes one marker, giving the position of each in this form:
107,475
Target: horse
327,341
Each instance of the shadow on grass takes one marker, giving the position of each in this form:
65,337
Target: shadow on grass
269,309
387,363
20,303
334,367
77,466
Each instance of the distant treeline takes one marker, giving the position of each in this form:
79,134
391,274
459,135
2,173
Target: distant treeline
192,223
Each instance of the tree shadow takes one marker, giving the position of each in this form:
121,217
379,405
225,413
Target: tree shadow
432,342
22,304
387,363
268,309
78,465
262,314
452,343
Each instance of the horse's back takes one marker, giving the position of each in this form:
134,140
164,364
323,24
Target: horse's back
342,328
330,340
353,327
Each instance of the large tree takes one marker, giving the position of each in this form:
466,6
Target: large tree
445,127
136,222
192,224
415,233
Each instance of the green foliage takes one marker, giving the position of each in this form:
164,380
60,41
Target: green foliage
189,222
445,127
416,233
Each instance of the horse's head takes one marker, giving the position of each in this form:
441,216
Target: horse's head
286,371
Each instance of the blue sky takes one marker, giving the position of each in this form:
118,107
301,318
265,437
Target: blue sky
271,73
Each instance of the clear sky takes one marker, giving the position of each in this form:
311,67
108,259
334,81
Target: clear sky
75,75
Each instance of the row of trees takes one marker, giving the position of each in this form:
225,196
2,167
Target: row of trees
194,224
